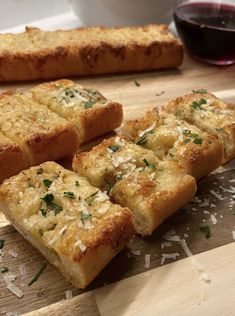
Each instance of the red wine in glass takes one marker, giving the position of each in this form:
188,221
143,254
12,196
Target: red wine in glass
207,30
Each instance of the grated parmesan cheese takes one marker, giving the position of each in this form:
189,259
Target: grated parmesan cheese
13,253
149,129
147,258
217,195
68,294
166,256
213,219
233,234
135,252
15,290
23,272
80,244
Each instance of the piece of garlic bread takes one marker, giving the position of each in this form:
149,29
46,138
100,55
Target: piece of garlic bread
136,178
172,138
73,224
91,112
209,114
42,134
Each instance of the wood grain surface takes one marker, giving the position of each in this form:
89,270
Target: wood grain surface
155,89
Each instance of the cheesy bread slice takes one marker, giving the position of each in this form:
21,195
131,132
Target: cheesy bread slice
41,134
172,138
91,112
73,224
209,114
134,177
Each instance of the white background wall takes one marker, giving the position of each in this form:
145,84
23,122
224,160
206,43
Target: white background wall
16,12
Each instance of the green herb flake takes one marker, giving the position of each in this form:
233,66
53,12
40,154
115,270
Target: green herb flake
56,208
77,183
149,164
49,198
137,83
114,148
40,271
158,94
233,211
197,141
88,105
1,243
109,187
119,177
200,91
69,195
4,269
40,171
142,140
206,231
43,211
219,129
187,140
85,217
90,198
196,105
47,182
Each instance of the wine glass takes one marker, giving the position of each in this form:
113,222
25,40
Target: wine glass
207,29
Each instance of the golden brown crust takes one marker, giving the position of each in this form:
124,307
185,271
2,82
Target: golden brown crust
61,142
12,159
101,120
102,56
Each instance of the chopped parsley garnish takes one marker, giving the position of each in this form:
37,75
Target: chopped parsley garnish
114,148
88,105
40,171
37,275
206,231
85,217
197,141
47,182
49,198
158,94
69,195
196,105
4,269
191,136
171,155
149,164
90,198
200,91
77,184
43,211
233,211
119,177
187,140
219,129
137,83
1,243
109,187
143,139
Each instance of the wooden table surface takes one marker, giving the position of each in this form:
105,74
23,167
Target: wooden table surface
126,286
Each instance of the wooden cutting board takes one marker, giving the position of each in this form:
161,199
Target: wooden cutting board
127,286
